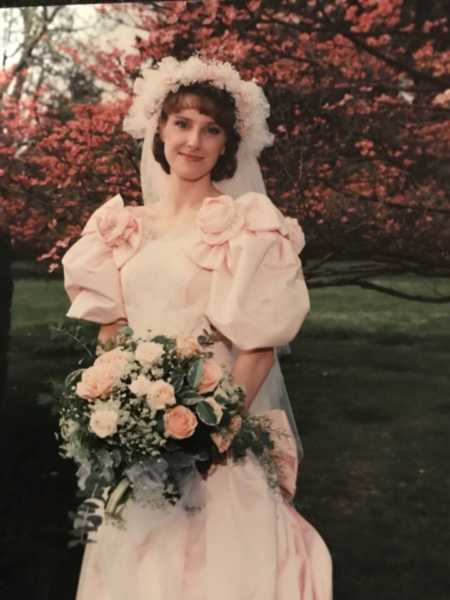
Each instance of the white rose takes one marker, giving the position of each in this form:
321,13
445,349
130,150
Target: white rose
103,422
158,394
161,394
148,353
141,386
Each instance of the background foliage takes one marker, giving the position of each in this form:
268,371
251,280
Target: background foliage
360,96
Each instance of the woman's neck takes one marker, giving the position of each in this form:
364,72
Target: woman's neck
184,197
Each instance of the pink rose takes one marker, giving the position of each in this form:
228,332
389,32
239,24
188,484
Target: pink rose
116,225
187,345
116,360
149,353
97,381
219,219
295,234
180,422
103,422
212,374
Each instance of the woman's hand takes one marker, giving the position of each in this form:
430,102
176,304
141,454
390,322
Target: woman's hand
108,331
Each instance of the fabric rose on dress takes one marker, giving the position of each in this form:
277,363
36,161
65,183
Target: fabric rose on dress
116,225
187,345
219,219
295,234
97,381
149,353
212,374
158,394
103,422
180,422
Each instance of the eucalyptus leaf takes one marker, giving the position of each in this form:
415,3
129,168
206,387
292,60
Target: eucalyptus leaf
220,398
164,340
205,413
177,380
195,373
192,401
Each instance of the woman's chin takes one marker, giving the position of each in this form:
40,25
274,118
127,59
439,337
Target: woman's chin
191,175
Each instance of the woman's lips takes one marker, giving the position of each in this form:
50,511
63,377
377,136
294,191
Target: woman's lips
191,157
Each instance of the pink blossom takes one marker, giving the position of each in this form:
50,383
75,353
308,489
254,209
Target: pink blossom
212,374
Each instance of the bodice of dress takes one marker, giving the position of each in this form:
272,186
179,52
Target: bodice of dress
166,292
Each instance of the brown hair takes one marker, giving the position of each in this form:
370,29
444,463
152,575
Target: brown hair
217,104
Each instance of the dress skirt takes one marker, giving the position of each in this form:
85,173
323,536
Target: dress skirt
245,542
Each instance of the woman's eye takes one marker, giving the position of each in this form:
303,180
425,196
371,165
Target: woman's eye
214,130
181,124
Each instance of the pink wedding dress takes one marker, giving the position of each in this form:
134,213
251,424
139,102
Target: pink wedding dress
241,275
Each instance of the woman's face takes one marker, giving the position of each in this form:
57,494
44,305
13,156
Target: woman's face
193,143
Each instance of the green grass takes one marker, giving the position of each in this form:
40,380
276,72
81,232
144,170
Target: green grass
368,378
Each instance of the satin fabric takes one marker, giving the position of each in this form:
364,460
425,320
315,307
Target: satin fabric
247,541
249,286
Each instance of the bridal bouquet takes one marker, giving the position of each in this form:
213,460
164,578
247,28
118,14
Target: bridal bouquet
146,416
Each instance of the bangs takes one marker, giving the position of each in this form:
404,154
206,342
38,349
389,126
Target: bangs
204,105
207,100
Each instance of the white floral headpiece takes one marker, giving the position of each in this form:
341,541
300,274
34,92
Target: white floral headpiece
252,107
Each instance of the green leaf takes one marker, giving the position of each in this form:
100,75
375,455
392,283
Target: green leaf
164,340
192,401
206,413
195,373
177,380
220,398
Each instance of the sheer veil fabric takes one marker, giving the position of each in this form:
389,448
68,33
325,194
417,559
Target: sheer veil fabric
247,178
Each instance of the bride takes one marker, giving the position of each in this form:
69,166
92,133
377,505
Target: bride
207,250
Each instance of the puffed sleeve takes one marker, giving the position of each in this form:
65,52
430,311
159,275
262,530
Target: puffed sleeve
258,296
92,265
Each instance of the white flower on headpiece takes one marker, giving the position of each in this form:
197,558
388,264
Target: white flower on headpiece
252,108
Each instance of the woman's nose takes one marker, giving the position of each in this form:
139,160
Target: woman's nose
193,138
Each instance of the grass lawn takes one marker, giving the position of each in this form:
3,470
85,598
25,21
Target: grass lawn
368,378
